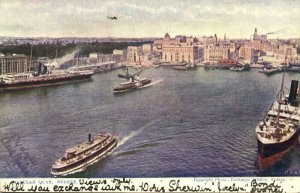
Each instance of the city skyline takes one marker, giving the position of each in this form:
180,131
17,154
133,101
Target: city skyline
139,19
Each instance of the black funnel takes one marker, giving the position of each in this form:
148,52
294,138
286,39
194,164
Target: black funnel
39,70
44,70
293,92
90,138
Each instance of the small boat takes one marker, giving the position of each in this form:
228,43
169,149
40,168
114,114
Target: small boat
271,70
210,66
186,66
239,68
77,158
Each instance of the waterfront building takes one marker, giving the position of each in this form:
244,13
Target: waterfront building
247,55
214,54
94,58
178,49
121,52
134,54
99,57
14,63
166,41
180,53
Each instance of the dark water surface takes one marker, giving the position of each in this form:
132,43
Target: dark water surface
192,123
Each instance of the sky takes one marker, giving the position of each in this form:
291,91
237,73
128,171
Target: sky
149,18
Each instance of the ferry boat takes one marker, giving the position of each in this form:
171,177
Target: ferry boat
79,157
43,77
134,82
131,85
278,131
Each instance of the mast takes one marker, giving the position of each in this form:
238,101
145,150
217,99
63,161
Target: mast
56,52
30,59
280,101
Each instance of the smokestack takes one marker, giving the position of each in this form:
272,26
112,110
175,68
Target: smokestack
90,138
293,92
39,70
44,71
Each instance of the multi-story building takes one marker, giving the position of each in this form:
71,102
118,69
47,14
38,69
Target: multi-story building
210,40
121,52
214,54
180,53
13,64
247,55
167,40
134,54
147,48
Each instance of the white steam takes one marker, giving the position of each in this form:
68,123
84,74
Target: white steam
56,63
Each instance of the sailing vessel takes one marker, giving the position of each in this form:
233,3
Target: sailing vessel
277,132
79,157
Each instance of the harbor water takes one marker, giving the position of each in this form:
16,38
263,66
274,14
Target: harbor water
187,124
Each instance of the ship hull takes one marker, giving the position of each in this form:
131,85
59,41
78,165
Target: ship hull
269,150
44,82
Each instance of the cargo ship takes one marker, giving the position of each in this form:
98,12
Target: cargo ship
79,157
42,77
278,130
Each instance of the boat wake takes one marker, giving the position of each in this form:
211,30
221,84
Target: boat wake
151,84
132,134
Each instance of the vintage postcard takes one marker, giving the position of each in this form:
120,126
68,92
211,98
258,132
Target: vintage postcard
149,96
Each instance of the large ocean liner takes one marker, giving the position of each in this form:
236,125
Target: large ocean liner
42,77
278,131
77,158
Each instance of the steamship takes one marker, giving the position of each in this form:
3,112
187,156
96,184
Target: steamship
131,85
42,77
79,157
134,82
278,131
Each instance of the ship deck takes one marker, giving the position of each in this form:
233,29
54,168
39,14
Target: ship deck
81,150
78,149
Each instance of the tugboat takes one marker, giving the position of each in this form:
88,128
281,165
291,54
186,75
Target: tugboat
77,158
134,82
277,132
